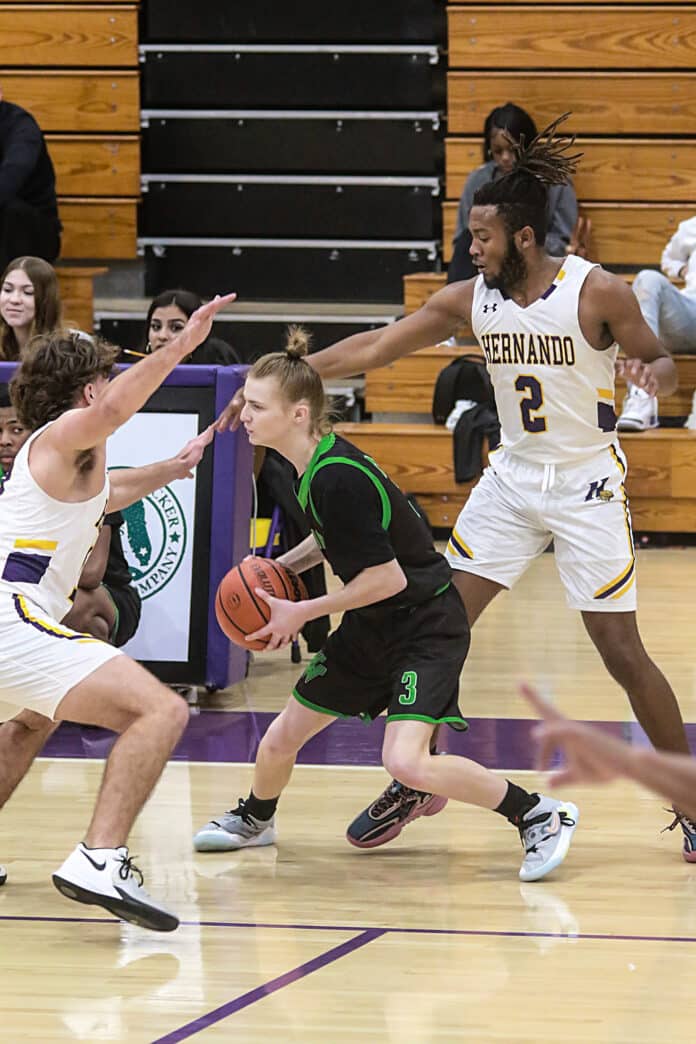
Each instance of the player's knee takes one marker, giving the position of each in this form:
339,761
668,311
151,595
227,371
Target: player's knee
406,765
168,707
648,283
280,741
625,664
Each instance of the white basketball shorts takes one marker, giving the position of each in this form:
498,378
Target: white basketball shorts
518,507
40,659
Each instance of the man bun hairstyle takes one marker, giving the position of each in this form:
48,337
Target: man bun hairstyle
297,379
297,342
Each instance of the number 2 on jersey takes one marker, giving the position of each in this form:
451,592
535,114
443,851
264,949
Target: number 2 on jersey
529,405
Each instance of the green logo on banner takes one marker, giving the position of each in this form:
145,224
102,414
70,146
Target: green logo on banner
155,538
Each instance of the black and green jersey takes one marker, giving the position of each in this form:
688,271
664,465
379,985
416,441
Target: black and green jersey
361,519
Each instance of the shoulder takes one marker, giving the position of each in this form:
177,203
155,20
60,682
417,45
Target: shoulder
561,193
15,117
480,176
606,293
455,299
687,227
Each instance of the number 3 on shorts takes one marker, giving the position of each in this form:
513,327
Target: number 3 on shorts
534,402
410,680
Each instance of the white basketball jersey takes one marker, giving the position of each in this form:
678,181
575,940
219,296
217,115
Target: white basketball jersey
554,391
44,543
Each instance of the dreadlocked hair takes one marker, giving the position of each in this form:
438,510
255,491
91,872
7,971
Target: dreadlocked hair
296,378
521,196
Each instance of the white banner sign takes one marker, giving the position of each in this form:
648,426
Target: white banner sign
158,534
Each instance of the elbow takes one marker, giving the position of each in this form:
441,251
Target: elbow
398,580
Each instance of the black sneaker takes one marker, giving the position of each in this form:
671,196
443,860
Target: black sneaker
386,817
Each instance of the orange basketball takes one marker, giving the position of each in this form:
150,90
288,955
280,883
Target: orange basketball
240,611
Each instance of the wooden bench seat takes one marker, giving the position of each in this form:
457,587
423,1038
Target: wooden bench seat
622,233
106,102
618,169
69,34
98,229
570,37
634,103
661,480
95,166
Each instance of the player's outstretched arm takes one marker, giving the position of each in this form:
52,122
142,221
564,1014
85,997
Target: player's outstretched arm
126,485
591,756
435,321
648,364
82,429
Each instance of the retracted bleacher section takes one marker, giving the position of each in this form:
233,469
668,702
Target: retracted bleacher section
294,155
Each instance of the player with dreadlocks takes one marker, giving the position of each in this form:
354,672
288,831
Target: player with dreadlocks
549,329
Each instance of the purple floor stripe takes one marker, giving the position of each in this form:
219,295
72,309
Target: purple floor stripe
215,736
273,986
485,932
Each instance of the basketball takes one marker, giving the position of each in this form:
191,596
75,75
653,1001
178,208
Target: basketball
240,611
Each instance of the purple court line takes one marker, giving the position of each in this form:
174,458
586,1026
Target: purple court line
273,986
475,932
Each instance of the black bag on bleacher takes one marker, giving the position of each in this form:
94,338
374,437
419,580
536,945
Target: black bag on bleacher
464,378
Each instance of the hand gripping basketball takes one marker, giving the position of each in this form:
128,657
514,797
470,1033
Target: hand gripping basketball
241,611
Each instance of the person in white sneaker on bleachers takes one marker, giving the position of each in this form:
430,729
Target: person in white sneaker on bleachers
671,315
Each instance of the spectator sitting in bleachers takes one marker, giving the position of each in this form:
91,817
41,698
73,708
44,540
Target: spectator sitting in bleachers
499,159
167,316
106,603
29,303
671,315
29,221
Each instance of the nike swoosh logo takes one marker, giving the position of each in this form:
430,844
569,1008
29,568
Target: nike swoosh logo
95,864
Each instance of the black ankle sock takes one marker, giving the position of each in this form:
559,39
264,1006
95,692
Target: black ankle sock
516,803
259,809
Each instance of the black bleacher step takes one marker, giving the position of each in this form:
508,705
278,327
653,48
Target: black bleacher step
277,76
290,206
310,21
290,269
266,141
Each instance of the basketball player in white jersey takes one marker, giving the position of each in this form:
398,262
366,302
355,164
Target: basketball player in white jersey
549,328
51,510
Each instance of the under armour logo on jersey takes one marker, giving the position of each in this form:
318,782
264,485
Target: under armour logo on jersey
491,306
598,492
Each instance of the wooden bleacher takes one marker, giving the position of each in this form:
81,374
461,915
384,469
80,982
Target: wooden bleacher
661,472
74,66
623,70
407,384
622,233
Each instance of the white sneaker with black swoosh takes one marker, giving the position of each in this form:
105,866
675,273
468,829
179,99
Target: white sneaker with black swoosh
108,877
